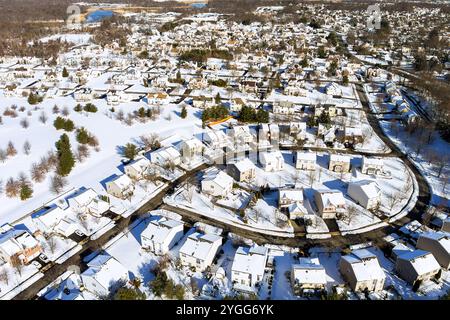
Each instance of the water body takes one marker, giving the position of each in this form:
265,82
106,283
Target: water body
98,15
199,5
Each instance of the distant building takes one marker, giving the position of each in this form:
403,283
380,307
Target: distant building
217,184
339,163
243,170
305,160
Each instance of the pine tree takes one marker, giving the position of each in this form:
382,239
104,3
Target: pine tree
183,112
130,151
66,160
218,99
65,73
25,191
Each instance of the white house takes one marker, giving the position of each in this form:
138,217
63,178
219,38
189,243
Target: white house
339,163
291,200
333,89
372,165
362,271
18,247
417,266
104,275
366,193
191,148
330,203
88,201
121,187
199,250
438,243
217,184
271,161
243,170
248,267
308,274
215,139
137,168
298,130
165,155
305,160
161,234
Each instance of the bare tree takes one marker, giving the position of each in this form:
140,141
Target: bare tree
65,111
394,199
57,184
12,188
352,212
24,123
19,268
27,147
52,244
37,173
11,150
3,155
4,276
43,117
311,177
82,153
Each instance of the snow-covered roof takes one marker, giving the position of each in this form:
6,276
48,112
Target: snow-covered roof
160,229
244,165
333,197
221,178
372,161
139,164
310,271
309,156
106,270
273,156
365,265
250,260
442,237
339,157
15,241
369,187
199,245
49,217
422,261
291,194
122,181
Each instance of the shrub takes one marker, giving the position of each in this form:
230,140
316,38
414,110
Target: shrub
90,108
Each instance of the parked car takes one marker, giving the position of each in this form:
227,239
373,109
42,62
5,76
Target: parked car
43,258
79,233
36,264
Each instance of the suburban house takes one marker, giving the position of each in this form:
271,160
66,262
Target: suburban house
104,275
202,102
121,187
161,234
330,109
330,203
248,267
137,168
236,104
215,139
283,107
298,130
305,160
417,266
271,161
438,243
191,148
217,184
53,220
353,135
241,134
339,163
307,275
362,271
372,165
291,200
332,89
88,201
165,155
199,250
242,171
366,193
18,247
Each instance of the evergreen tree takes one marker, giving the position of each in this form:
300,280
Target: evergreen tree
218,99
65,73
83,136
25,191
130,151
183,112
66,160
129,294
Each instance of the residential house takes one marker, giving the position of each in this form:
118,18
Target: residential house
298,130
339,163
104,275
283,107
18,247
215,139
305,160
88,201
242,171
217,184
330,203
137,168
121,187
362,271
161,234
366,193
307,275
248,267
291,200
329,108
333,89
191,148
203,102
353,135
417,266
199,250
438,243
236,104
372,165
271,161
164,155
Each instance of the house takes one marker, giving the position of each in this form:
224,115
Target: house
298,130
161,234
240,134
438,243
202,102
137,168
362,271
308,274
18,247
104,275
271,161
88,201
248,267
291,200
372,165
217,184
333,89
191,148
156,97
283,107
199,250
121,187
329,108
339,163
417,266
242,171
236,104
165,155
366,193
353,135
330,203
215,139
305,160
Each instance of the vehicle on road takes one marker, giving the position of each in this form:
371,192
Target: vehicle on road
44,258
